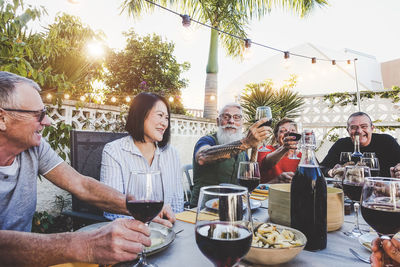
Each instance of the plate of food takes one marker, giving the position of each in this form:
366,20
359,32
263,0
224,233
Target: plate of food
160,235
214,204
262,189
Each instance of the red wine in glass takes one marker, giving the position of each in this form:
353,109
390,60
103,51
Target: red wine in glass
144,210
297,135
352,190
267,123
383,218
250,182
223,243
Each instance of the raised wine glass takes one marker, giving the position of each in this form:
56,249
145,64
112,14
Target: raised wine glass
261,113
248,175
380,206
225,238
144,200
353,182
373,164
295,129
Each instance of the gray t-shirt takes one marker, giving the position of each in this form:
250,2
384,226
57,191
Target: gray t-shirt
18,188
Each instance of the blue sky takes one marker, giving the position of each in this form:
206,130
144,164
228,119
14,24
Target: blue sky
368,26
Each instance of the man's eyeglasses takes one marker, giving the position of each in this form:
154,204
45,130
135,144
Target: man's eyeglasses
355,127
227,117
40,114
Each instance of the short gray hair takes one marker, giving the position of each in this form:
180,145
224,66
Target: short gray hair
8,81
235,105
357,114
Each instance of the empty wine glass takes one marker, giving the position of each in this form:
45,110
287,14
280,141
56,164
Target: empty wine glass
380,207
373,164
248,175
144,200
261,113
353,182
345,157
369,155
226,237
295,129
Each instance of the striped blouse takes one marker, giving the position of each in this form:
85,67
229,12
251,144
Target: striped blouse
122,156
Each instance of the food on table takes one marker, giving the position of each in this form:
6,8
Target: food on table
269,236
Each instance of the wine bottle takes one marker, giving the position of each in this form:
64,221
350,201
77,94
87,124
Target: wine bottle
308,197
357,155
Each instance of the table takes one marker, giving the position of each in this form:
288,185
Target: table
184,251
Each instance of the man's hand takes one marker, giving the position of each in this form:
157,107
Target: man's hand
284,177
166,217
256,134
395,171
120,240
384,252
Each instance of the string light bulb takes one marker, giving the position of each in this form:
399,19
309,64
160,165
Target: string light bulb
333,62
113,99
128,99
286,55
186,20
49,96
247,51
171,99
313,60
66,96
349,61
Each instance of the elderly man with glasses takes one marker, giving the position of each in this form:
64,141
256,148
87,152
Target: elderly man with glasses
216,157
23,156
386,148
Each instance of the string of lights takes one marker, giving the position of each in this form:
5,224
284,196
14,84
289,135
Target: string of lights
186,21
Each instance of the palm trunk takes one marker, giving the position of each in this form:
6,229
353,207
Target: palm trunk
211,87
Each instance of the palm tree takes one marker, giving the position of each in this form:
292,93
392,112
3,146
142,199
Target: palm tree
231,16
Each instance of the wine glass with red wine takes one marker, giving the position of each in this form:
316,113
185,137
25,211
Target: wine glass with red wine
261,113
144,200
380,206
248,175
295,129
353,182
226,237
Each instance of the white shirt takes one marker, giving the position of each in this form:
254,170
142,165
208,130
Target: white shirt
122,156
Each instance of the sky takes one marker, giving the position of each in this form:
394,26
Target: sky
368,26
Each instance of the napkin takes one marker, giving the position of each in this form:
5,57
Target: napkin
189,216
259,194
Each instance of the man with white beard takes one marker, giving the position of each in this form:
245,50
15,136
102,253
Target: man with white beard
216,157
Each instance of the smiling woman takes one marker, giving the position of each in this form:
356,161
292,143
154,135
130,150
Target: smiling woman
147,148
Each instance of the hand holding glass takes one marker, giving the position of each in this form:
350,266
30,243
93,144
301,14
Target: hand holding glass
295,129
261,113
144,200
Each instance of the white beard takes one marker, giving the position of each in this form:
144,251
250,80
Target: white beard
225,137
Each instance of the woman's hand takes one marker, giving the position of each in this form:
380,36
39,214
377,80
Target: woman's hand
289,143
388,250
166,216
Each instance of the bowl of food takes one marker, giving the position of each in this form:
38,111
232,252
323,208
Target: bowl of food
275,244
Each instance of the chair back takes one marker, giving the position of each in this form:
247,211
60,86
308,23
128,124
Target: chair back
86,152
188,184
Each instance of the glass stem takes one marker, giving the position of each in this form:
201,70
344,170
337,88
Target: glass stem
356,225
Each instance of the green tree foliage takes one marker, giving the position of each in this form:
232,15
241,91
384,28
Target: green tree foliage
146,64
284,102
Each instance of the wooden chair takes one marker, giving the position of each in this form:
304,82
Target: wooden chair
86,151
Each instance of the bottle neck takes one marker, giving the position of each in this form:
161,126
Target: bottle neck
308,156
357,144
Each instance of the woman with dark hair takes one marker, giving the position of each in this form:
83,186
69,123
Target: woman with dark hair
275,165
145,148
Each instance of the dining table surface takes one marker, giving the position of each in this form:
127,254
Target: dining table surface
183,251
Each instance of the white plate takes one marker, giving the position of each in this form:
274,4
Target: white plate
254,204
366,239
161,236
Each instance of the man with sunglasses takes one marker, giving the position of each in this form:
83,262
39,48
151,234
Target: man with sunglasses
216,157
385,147
24,155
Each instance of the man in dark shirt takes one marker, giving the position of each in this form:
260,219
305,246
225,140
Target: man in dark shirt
386,148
